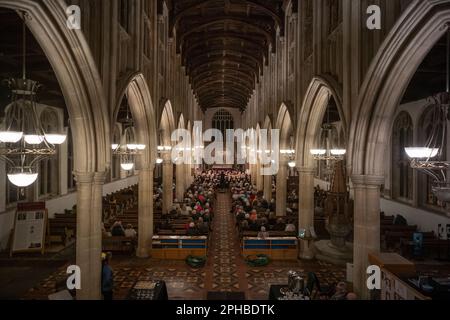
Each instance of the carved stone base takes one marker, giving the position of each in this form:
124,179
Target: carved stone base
325,251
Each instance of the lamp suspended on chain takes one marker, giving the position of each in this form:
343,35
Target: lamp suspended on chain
327,149
430,158
23,141
130,149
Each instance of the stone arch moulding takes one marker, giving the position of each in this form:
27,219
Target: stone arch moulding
167,123
71,59
285,125
143,112
311,116
415,33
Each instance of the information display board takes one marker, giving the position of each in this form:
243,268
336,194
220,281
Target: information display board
29,228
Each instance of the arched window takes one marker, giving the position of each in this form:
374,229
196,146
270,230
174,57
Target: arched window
427,198
402,173
49,168
222,121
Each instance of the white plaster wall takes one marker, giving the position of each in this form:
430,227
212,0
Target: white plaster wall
57,205
425,220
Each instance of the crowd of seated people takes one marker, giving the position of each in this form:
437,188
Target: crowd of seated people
252,211
195,212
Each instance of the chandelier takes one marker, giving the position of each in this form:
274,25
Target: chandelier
23,141
327,150
127,149
427,158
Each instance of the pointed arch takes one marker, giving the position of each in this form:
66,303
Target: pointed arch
311,116
284,124
166,124
414,35
71,59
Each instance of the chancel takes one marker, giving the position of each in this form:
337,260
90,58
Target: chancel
111,162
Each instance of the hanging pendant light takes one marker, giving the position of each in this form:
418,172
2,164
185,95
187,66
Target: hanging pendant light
325,151
426,158
130,149
23,141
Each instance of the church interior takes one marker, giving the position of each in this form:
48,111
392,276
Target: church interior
119,179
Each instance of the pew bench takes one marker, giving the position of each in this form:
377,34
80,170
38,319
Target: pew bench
119,244
179,247
277,248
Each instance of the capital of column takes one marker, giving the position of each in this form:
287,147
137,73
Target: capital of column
99,178
367,180
84,177
305,170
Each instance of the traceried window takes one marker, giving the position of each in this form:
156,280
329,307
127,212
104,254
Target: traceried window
222,121
402,173
426,195
49,168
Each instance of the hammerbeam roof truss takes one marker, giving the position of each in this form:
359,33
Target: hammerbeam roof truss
224,45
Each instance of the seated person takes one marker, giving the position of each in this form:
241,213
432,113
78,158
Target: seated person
104,232
290,227
192,230
341,291
263,234
130,232
244,225
117,229
253,226
202,226
184,211
280,225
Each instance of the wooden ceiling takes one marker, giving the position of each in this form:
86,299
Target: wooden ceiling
224,45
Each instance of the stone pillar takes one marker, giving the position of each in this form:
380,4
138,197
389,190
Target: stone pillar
281,195
253,174
259,177
3,186
268,187
306,208
366,228
85,190
96,235
167,180
180,181
145,208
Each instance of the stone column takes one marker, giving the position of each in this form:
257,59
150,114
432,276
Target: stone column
259,177
253,173
180,181
96,235
167,180
306,208
281,195
145,208
366,228
3,186
268,187
83,244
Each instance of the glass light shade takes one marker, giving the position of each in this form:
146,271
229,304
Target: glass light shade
33,139
160,148
140,146
422,153
159,161
132,146
114,146
55,139
167,148
338,152
127,166
10,136
318,152
292,164
22,179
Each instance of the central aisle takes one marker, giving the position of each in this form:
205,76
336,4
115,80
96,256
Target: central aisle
226,268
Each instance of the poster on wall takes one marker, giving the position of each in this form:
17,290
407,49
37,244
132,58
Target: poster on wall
29,228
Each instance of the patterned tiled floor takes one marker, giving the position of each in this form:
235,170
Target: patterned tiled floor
225,270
